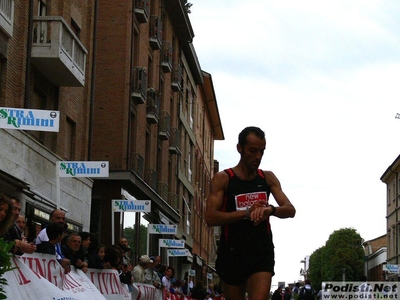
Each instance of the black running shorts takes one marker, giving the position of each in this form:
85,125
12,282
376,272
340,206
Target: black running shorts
235,266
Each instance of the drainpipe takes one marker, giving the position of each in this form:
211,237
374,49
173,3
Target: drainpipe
92,86
131,64
29,57
397,217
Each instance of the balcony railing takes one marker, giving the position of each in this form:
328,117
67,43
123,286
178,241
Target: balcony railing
166,63
177,80
174,201
137,164
164,125
162,190
139,88
174,146
151,178
142,9
153,106
57,52
155,32
7,16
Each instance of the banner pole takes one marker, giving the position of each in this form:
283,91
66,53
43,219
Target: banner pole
58,185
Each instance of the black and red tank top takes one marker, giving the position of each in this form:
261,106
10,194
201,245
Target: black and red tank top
239,195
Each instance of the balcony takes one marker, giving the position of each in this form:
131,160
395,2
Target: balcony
137,164
174,201
57,52
139,88
142,8
166,63
177,80
174,145
162,190
164,126
153,106
7,16
151,178
155,32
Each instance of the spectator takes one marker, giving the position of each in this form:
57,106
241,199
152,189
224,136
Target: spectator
96,258
86,240
166,280
112,258
71,251
287,294
138,270
198,291
55,234
21,223
14,234
150,274
277,295
56,216
6,214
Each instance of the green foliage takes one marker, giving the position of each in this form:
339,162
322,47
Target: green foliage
343,250
5,264
130,235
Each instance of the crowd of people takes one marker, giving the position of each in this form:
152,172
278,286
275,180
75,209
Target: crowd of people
82,250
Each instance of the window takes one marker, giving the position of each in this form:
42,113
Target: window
7,16
187,215
70,133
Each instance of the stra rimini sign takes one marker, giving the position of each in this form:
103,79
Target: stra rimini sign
29,119
82,168
162,229
132,205
171,243
178,252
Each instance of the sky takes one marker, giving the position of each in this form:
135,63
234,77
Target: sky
322,79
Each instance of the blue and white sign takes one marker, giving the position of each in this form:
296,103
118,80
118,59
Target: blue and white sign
178,252
29,119
131,205
171,243
82,168
395,269
162,229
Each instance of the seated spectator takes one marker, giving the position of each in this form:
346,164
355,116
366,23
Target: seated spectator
55,233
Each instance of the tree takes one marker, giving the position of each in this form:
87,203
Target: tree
315,268
130,235
5,264
342,251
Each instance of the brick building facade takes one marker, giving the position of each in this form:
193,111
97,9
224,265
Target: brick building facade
126,81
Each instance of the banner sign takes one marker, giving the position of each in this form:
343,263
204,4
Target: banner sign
178,252
131,205
162,229
40,276
82,168
391,268
29,119
171,243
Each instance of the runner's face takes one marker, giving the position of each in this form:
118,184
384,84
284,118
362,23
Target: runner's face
252,152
